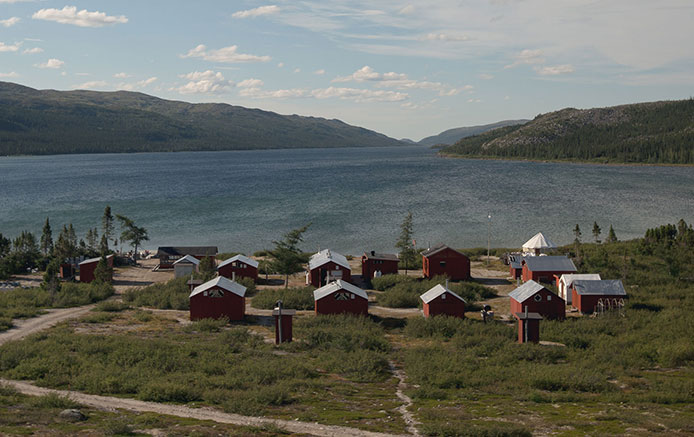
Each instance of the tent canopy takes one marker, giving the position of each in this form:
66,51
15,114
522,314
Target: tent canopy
539,241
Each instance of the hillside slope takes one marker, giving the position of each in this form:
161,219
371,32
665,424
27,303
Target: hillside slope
654,133
451,136
56,122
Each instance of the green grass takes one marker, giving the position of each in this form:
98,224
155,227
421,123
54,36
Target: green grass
298,298
405,291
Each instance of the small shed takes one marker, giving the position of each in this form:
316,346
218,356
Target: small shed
528,327
169,254
240,266
340,297
564,283
533,297
88,266
538,244
327,266
545,268
442,260
588,294
439,300
375,264
185,266
515,266
217,298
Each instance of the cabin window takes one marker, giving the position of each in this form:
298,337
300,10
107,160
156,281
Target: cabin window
216,293
549,297
538,298
351,295
341,296
204,293
442,264
443,296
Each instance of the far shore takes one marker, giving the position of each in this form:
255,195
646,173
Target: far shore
560,161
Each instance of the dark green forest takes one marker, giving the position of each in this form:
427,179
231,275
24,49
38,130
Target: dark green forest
651,133
34,122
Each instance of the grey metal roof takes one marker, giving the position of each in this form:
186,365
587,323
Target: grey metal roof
383,256
528,316
436,291
324,257
94,260
515,264
525,291
609,287
437,249
221,282
243,258
187,260
549,264
338,285
187,250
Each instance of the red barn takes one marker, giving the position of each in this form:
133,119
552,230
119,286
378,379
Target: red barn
586,294
533,297
442,260
169,254
544,268
326,266
218,298
88,266
372,262
341,297
239,265
442,301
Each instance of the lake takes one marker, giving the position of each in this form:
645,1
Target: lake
355,198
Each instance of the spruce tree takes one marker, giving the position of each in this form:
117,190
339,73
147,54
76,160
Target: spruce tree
596,232
611,236
107,224
405,244
47,239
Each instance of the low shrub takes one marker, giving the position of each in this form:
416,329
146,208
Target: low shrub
170,392
171,295
101,317
388,281
299,298
439,326
53,400
111,306
207,325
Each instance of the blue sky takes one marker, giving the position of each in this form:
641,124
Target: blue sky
406,69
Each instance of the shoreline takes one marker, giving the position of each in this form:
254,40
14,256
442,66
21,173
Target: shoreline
560,161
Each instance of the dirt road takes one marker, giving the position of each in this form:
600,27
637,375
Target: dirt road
25,327
110,403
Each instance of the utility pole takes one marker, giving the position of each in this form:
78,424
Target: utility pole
489,232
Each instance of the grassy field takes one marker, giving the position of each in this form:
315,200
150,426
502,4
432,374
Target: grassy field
628,372
404,291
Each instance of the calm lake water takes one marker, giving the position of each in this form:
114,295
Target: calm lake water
354,198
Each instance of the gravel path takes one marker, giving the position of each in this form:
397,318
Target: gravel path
25,327
406,400
111,403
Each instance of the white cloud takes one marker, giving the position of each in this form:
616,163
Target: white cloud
9,22
507,97
398,80
486,76
225,54
319,72
145,82
445,37
51,63
280,64
33,51
91,85
407,10
257,93
11,74
354,94
297,70
474,101
83,18
526,57
8,48
121,75
555,70
204,82
15,1
250,83
83,74
257,12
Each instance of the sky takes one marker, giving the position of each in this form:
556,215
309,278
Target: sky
405,69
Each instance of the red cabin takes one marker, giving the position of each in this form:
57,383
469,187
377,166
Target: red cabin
341,297
588,294
528,327
88,266
378,264
442,260
533,297
239,266
545,268
515,269
327,266
168,254
218,298
440,301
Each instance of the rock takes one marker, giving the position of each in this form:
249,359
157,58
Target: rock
72,415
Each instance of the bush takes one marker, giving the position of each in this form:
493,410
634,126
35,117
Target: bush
170,392
388,281
299,298
171,295
399,299
111,306
207,325
439,326
76,294
53,400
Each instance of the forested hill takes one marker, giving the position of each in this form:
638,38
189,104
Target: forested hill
36,122
451,136
654,133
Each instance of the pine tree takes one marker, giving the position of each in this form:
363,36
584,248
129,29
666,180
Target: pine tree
207,268
286,256
103,245
596,232
103,272
107,224
405,244
47,239
611,236
130,232
577,239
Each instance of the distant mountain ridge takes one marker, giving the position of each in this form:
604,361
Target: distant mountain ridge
38,122
652,133
452,136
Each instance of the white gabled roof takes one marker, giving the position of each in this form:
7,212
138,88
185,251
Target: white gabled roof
437,291
243,258
223,283
539,241
187,259
94,260
525,291
324,257
569,278
338,285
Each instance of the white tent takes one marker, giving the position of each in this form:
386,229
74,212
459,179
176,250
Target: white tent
539,243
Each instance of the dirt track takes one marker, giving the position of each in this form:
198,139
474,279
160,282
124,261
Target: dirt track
111,403
25,327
